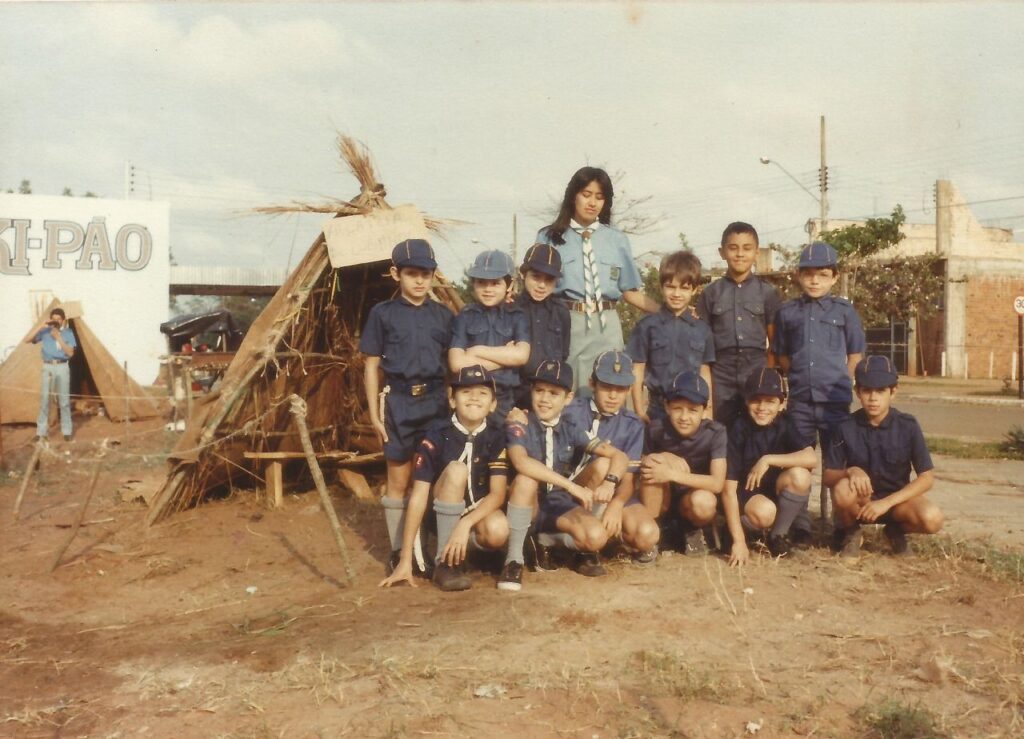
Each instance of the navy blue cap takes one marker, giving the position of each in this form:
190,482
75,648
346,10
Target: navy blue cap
543,258
491,265
554,372
473,375
875,372
764,382
817,255
614,368
690,386
413,253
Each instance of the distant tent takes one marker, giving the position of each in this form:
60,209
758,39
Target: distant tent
95,375
180,330
306,341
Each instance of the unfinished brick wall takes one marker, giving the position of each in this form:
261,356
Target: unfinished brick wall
992,323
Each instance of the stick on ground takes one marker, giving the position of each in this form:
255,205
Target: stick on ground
80,517
27,477
298,409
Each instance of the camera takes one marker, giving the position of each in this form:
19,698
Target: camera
53,324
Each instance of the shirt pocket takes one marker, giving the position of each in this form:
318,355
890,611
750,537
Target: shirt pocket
755,311
696,351
478,332
610,273
835,326
660,353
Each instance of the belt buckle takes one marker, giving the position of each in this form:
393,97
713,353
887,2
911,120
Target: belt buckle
418,390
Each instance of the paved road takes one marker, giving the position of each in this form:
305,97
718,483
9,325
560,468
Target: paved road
981,422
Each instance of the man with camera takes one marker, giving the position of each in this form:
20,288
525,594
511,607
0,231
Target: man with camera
59,344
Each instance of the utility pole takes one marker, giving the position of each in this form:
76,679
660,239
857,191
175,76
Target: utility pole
129,179
823,181
515,240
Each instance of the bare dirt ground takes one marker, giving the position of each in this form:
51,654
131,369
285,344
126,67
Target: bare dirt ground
230,620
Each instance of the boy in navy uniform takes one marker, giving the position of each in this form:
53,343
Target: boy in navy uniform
548,317
740,308
461,460
491,332
868,465
768,480
544,447
607,418
685,461
405,338
672,340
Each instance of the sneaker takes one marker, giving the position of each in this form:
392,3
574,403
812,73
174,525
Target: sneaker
646,559
426,573
778,545
451,579
538,557
589,564
694,544
511,577
851,541
897,538
393,561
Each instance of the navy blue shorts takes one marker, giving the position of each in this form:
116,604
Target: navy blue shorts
553,506
813,419
406,417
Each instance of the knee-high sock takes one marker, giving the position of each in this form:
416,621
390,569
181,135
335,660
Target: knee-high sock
519,518
394,517
803,520
789,506
448,515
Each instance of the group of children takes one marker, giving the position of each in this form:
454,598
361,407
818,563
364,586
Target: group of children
479,414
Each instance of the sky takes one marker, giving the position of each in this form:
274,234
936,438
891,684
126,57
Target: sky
482,111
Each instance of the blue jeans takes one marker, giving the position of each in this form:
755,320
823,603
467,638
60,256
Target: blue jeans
60,377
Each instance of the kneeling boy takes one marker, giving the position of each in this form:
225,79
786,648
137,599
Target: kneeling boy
544,448
607,418
769,468
868,466
462,461
686,458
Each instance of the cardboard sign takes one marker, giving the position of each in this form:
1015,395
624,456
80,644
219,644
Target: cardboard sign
370,238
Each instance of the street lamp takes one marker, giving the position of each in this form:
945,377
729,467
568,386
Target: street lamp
766,160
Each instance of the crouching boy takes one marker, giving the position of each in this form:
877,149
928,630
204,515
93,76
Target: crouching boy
461,461
768,480
607,418
868,466
544,447
683,470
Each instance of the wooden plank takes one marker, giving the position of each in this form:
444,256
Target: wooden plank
356,483
274,485
297,455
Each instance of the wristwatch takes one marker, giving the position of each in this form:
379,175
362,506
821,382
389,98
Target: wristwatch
614,479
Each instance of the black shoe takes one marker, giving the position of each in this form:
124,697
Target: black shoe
511,577
451,579
538,557
589,564
646,559
67,437
393,561
694,544
800,538
897,538
426,572
849,541
778,545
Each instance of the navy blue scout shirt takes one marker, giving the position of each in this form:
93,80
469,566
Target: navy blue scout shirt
748,442
668,345
444,444
624,430
571,442
477,325
549,331
817,335
709,442
411,340
886,452
739,313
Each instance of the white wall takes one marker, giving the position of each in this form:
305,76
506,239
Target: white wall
109,255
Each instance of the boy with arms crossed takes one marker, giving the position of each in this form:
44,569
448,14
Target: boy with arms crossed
461,460
868,464
685,461
544,448
405,338
548,317
768,481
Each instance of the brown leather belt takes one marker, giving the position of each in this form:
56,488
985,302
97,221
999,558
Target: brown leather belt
580,306
55,361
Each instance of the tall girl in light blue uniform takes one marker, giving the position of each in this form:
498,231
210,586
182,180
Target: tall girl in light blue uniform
597,269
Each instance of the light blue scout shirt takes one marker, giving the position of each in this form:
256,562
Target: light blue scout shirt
616,269
51,349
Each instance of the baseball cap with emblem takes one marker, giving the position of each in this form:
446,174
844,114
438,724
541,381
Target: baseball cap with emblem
614,368
555,373
764,382
543,258
491,265
688,386
471,376
875,372
818,255
413,253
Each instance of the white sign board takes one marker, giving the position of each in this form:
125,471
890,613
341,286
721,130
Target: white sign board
1018,305
370,238
111,256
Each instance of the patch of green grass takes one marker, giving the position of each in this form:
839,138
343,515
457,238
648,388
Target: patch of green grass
1001,564
674,675
894,720
970,449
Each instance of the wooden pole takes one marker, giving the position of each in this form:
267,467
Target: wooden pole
298,410
80,517
3,466
127,408
27,477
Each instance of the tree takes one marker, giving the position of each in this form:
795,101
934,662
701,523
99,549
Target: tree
630,315
25,188
860,242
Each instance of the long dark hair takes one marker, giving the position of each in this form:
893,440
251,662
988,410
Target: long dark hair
583,177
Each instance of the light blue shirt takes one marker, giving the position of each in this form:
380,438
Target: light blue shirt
51,349
616,269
